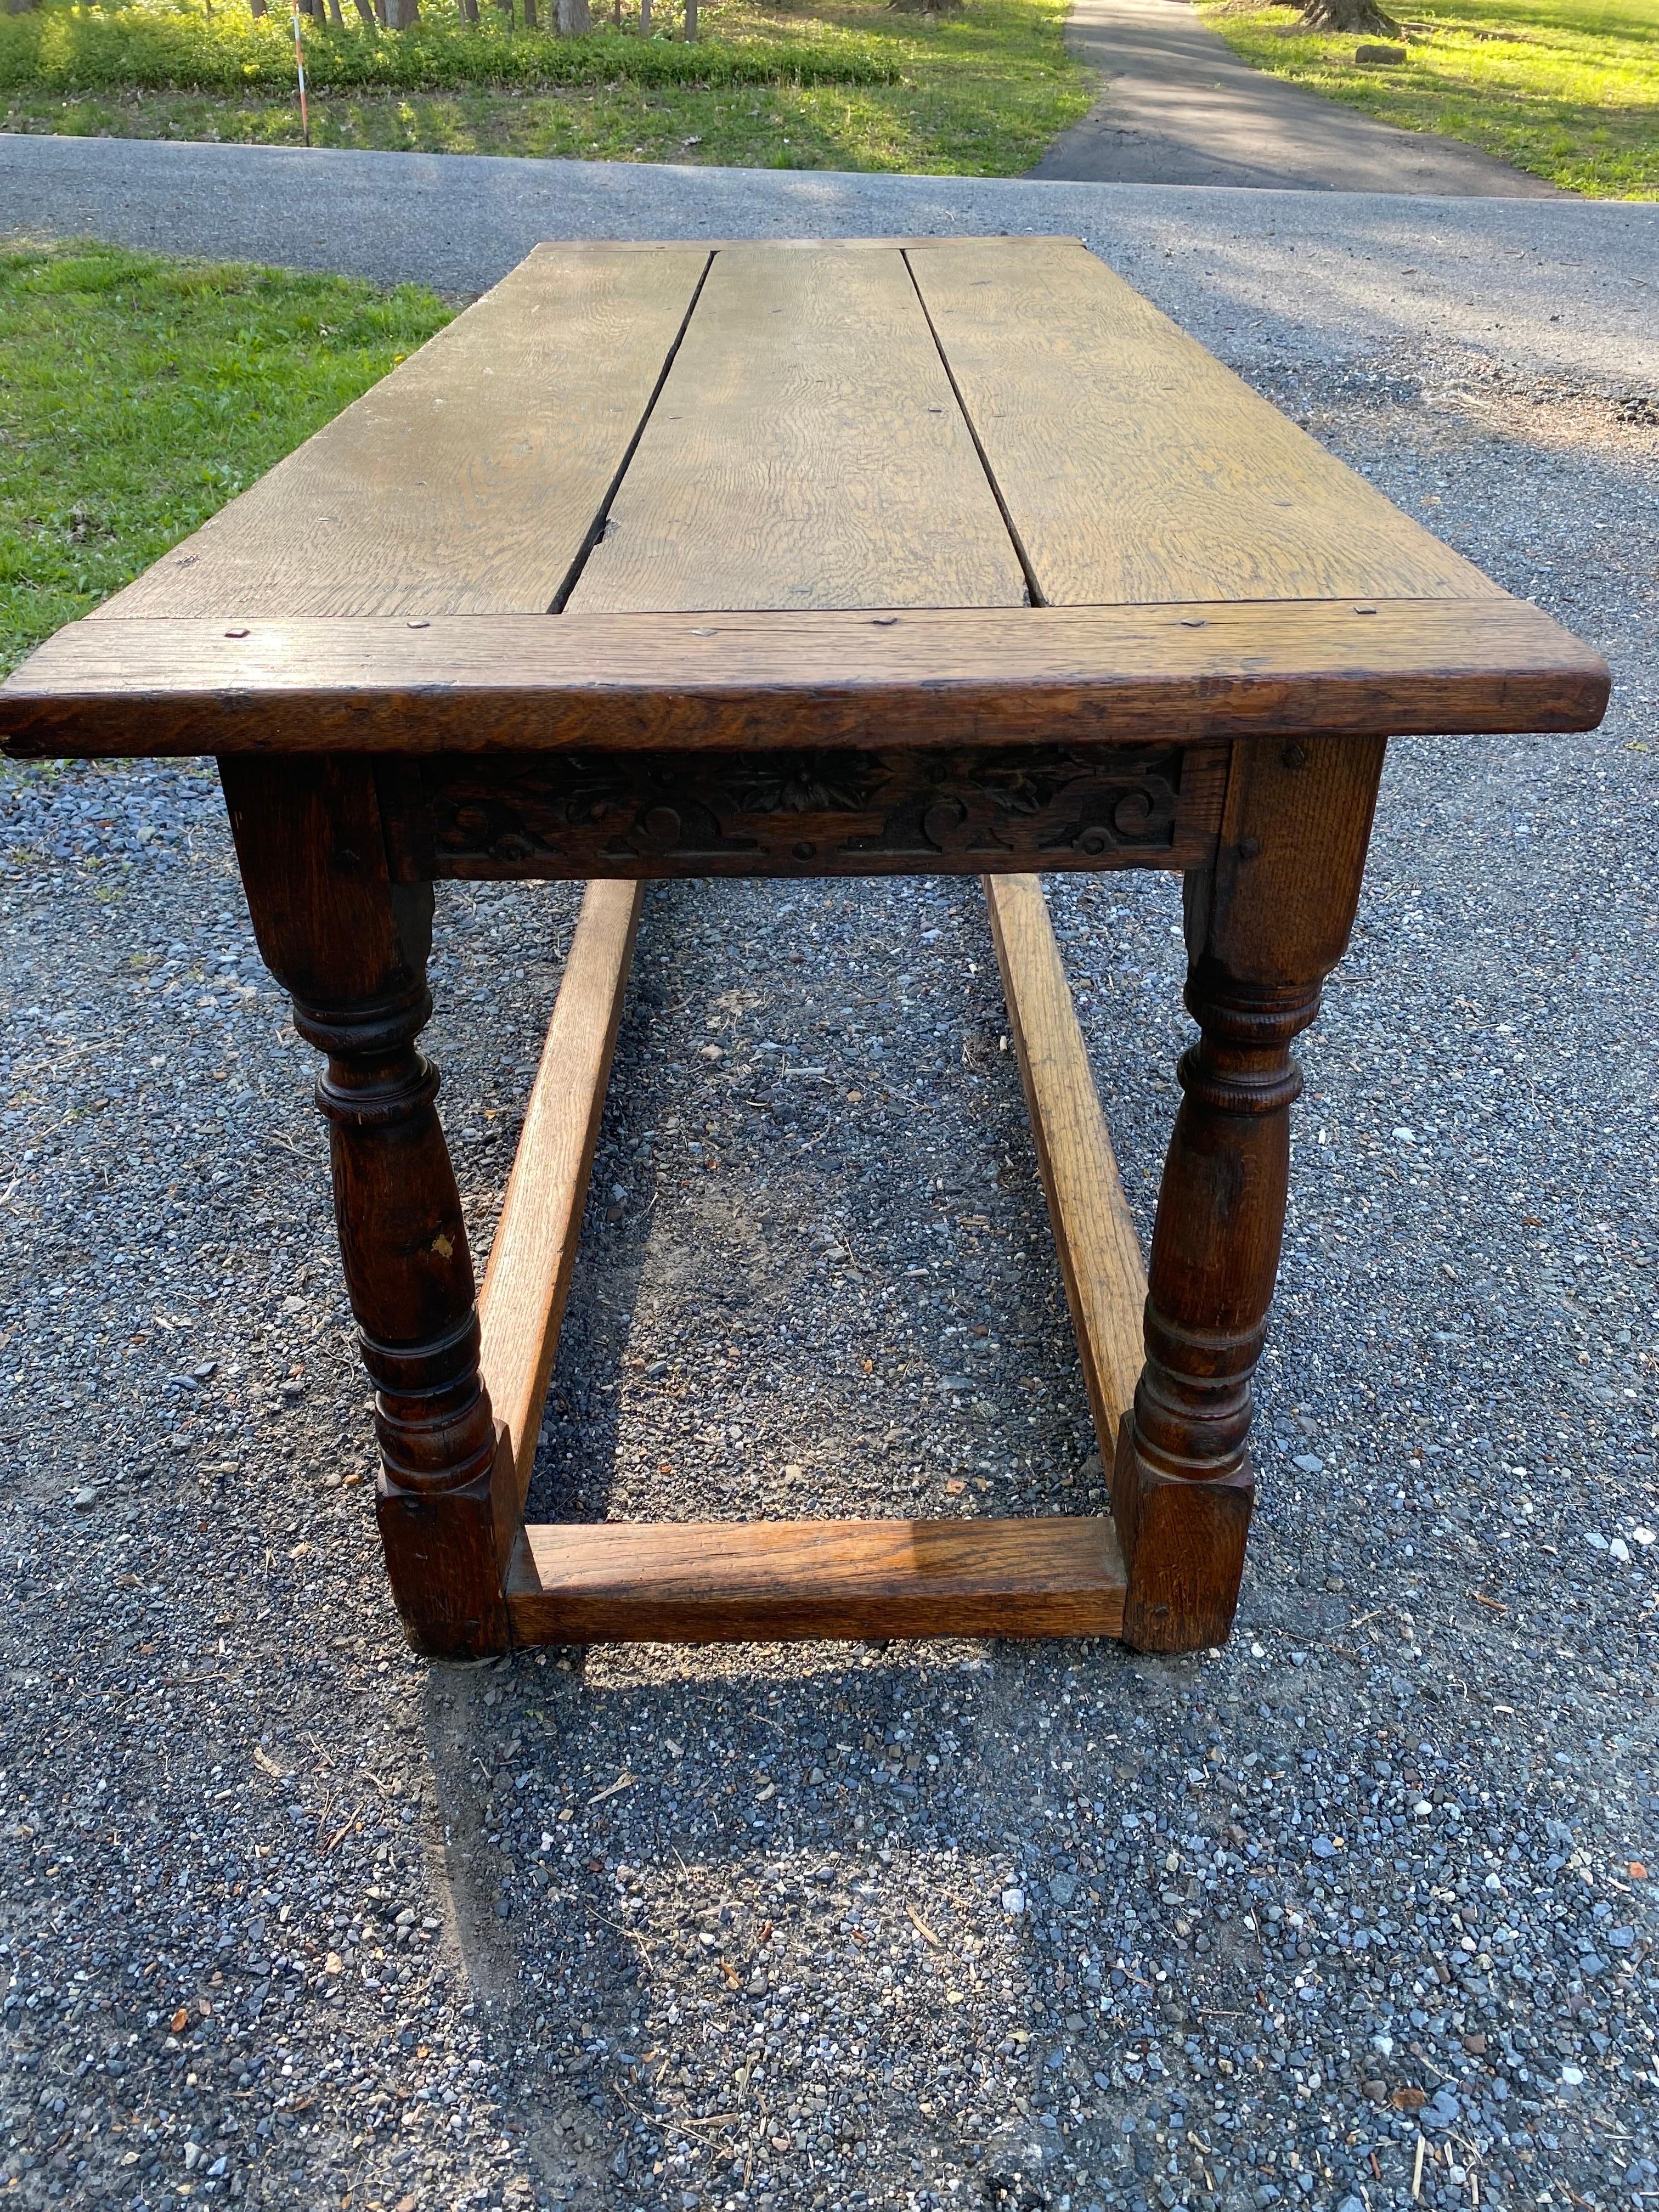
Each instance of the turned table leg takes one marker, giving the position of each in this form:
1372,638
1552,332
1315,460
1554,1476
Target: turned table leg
351,946
1265,926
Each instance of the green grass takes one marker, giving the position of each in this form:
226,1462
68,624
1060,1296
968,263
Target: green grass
138,395
1568,89
59,48
772,83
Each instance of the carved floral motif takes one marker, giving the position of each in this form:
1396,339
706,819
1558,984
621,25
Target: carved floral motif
828,812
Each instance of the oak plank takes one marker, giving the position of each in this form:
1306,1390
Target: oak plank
530,1260
785,1581
1095,1234
1133,465
806,451
466,481
1015,675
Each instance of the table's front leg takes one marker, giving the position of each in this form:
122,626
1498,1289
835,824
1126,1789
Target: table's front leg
1265,926
351,947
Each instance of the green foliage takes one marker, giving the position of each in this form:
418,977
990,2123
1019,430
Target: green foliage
138,395
1568,89
845,84
61,49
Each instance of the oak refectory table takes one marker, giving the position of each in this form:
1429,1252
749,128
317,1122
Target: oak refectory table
804,559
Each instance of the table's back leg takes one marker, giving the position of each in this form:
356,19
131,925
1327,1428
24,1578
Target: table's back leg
351,947
1265,926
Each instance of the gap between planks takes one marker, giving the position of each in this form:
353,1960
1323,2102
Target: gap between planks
774,1581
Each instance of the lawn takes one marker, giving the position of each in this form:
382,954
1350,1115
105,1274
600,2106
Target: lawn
1566,89
851,84
138,395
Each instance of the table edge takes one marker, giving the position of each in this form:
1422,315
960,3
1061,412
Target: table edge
1193,672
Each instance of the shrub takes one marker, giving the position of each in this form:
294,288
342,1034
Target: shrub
156,48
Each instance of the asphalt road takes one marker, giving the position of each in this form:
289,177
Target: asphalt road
1566,287
1179,108
1350,1916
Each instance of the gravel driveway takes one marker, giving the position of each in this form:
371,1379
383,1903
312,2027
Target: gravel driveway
1566,286
1356,1907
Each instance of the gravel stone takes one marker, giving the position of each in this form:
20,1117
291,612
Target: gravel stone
289,1918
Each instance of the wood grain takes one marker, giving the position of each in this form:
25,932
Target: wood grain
1015,675
1094,1232
351,946
526,1283
1133,466
807,451
1264,925
467,480
961,810
784,1581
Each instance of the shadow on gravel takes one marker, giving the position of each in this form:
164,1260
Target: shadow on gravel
816,1276
763,1871
924,1927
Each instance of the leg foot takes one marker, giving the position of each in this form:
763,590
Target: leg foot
1183,1547
444,1558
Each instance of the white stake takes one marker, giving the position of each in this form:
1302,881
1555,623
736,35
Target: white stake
300,66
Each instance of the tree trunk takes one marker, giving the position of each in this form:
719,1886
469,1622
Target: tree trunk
255,6
401,14
573,18
530,22
1349,16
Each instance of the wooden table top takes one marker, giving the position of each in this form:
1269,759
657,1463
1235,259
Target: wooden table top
686,494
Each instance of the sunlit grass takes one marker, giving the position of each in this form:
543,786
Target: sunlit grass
852,84
138,395
1568,89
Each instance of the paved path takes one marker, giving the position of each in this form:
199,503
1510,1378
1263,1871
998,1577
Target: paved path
1039,1922
1560,286
1179,108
